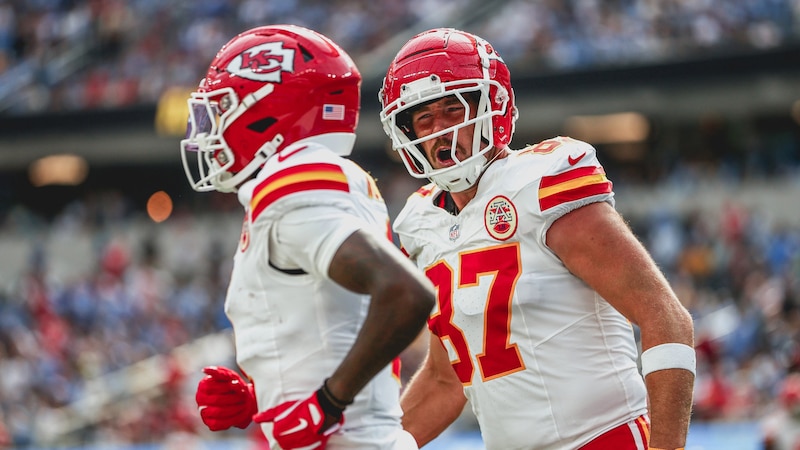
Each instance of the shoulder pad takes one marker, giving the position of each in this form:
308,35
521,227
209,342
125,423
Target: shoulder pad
306,184
425,191
574,174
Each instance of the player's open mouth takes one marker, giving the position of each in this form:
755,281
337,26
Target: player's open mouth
445,157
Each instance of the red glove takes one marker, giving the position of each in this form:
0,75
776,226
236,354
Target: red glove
306,424
225,399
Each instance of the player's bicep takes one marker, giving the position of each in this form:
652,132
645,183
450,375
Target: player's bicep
365,260
597,246
350,266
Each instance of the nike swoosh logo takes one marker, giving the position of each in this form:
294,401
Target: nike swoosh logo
572,161
300,426
283,156
316,414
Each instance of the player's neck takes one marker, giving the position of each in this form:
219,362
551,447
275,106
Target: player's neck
462,198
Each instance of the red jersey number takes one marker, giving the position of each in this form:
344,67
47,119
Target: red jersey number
499,356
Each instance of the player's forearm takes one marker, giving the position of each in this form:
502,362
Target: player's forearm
430,406
401,300
395,318
670,398
669,390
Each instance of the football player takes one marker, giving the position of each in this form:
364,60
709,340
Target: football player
320,300
538,278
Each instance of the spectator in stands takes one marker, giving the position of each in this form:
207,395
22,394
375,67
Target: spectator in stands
781,427
142,48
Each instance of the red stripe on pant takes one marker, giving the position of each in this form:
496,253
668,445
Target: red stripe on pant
633,435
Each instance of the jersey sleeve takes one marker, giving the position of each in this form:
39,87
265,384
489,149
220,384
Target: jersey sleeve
296,186
310,206
406,224
574,179
309,237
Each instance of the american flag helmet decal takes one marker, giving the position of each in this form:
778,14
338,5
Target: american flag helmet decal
333,112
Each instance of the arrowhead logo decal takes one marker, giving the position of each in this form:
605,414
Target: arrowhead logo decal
265,62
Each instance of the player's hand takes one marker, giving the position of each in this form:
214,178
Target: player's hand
302,424
225,399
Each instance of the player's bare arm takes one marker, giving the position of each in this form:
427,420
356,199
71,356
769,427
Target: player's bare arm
593,241
402,298
434,397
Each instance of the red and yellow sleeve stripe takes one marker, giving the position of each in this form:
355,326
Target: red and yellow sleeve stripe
304,177
575,184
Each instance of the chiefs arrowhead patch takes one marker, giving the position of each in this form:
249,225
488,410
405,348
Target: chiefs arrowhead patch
500,218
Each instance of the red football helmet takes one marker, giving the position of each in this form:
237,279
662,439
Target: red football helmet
440,63
267,88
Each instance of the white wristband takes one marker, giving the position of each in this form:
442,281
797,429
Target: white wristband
668,356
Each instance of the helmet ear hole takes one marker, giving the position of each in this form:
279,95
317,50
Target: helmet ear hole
261,125
307,56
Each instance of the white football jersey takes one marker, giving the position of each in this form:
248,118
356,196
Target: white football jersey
545,361
292,324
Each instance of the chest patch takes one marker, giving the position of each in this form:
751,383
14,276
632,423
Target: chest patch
500,218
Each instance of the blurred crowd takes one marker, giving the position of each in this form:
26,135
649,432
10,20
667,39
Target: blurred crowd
739,276
737,273
150,289
58,334
58,55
